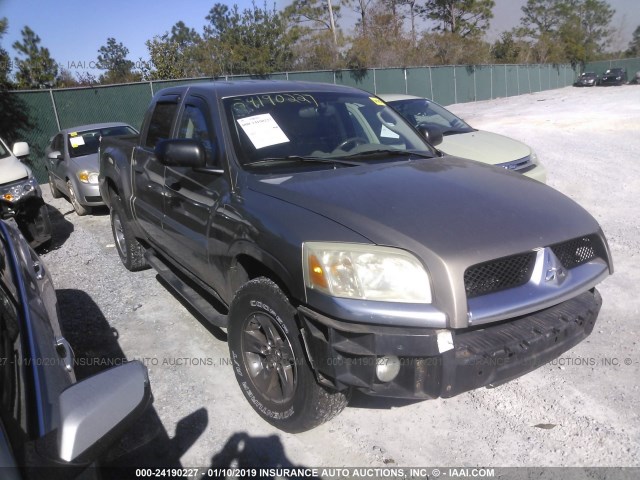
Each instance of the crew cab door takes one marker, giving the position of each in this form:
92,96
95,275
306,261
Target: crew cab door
148,173
192,196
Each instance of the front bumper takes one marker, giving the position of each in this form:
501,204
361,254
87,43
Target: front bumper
538,173
89,194
443,363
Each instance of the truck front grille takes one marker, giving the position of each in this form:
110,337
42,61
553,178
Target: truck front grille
500,274
516,270
578,251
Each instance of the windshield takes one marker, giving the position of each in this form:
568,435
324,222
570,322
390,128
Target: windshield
316,125
88,142
422,111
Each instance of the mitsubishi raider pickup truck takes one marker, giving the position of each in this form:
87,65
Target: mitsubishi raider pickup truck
341,251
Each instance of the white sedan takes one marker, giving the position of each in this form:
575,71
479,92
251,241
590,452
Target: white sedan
461,140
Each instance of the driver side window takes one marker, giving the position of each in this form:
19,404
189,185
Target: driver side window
58,143
193,125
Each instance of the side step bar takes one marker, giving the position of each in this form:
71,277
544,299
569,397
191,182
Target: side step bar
186,292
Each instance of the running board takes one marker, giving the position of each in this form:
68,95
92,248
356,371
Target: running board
186,292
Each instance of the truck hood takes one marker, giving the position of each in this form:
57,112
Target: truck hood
484,147
11,170
447,207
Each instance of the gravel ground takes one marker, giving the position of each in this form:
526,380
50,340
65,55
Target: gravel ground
581,410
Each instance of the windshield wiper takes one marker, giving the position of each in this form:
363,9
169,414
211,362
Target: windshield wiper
389,152
300,159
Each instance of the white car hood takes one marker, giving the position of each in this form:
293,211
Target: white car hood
485,147
11,169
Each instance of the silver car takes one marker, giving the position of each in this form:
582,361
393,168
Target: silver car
462,140
72,162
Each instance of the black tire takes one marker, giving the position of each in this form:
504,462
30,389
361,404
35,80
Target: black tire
270,363
55,193
130,250
77,206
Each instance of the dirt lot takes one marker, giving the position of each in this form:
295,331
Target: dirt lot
588,400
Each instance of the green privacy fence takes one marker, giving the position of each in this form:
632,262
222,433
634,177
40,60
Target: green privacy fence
632,65
51,110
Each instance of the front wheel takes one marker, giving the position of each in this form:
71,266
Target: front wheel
270,364
73,198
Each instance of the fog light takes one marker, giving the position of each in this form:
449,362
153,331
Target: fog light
387,368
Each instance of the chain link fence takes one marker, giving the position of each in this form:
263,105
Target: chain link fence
52,110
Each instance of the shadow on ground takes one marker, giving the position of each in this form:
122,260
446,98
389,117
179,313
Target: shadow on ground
61,230
96,348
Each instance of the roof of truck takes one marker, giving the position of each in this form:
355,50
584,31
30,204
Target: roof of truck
247,87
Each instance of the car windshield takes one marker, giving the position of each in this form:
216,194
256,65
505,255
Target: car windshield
612,71
589,74
316,128
422,111
87,142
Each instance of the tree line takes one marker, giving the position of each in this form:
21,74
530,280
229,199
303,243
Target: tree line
312,35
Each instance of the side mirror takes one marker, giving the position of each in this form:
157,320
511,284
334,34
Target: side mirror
181,153
432,133
21,149
55,155
101,408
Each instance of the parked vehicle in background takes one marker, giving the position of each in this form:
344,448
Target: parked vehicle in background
342,251
462,140
72,162
614,76
636,79
20,189
587,79
50,425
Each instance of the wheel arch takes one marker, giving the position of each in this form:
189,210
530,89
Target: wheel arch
247,266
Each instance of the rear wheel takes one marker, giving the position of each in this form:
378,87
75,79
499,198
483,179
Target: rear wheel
270,364
73,198
130,250
55,193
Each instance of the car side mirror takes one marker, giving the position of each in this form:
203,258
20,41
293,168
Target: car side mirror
181,153
432,133
21,149
55,155
99,409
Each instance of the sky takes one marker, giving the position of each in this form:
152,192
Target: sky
74,30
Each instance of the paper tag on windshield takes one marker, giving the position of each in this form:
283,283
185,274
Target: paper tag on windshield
76,141
377,101
388,133
262,130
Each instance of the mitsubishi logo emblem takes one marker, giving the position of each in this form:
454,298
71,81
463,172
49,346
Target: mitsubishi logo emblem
554,271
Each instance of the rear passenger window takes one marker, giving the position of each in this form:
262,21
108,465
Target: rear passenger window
160,123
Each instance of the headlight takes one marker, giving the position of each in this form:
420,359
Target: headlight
534,157
365,272
88,177
18,190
